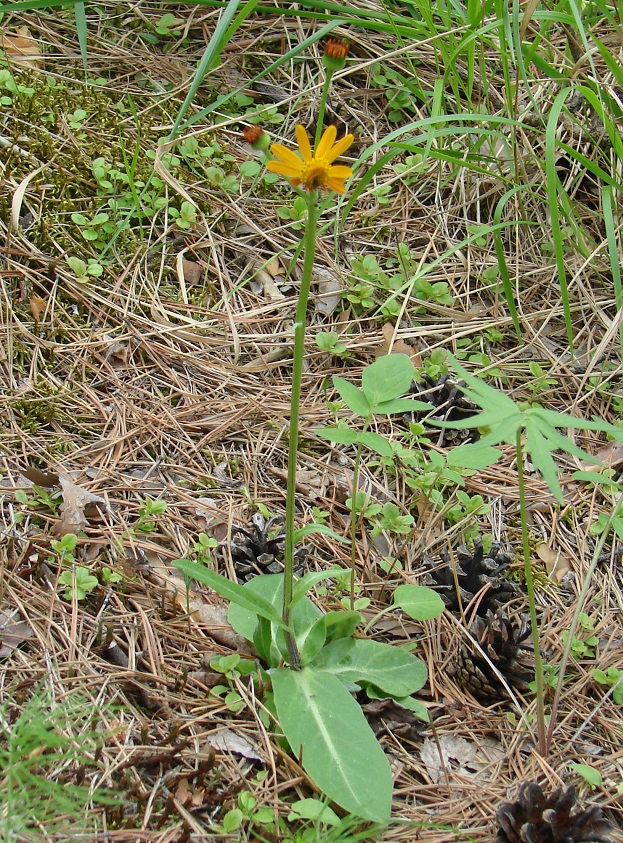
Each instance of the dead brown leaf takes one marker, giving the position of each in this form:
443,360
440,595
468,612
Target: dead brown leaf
22,49
75,499
13,632
393,345
556,563
329,290
37,307
193,272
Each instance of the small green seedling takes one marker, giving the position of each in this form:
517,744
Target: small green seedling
79,581
64,548
330,343
203,548
591,775
146,515
583,648
76,119
167,24
247,812
42,498
231,667
110,576
186,216
85,272
612,678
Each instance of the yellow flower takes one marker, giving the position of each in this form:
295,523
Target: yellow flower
313,170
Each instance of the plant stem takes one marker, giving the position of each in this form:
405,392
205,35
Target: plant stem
353,524
534,624
309,245
322,106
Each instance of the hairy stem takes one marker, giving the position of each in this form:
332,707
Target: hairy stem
309,247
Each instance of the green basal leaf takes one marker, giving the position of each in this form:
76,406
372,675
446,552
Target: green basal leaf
312,578
387,378
393,670
419,602
327,730
353,397
264,642
341,624
309,529
269,588
314,640
236,594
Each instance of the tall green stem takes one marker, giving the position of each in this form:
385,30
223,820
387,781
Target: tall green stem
309,246
322,106
534,624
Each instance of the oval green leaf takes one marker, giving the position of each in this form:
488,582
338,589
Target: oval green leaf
419,602
327,730
393,670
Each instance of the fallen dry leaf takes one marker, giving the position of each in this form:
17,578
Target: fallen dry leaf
329,291
37,307
22,49
393,345
193,272
75,499
556,563
466,759
227,740
117,352
13,632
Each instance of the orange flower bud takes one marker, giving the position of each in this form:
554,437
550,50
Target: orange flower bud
335,52
256,137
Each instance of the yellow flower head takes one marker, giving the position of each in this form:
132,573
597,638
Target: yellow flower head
316,169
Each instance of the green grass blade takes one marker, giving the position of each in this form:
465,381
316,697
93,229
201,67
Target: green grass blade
81,31
613,250
507,286
553,188
212,52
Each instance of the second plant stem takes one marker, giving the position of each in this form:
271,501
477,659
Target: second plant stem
309,249
534,623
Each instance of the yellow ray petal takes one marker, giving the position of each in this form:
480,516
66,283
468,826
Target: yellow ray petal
340,147
326,142
303,142
283,169
339,171
336,184
286,155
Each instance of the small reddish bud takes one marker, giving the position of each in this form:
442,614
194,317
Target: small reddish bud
335,52
256,137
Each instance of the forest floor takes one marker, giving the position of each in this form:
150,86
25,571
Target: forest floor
145,366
